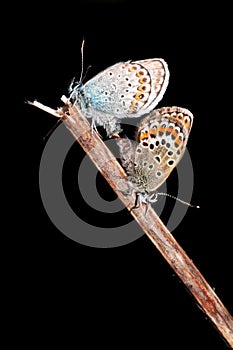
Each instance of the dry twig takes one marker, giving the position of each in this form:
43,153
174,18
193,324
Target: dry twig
151,223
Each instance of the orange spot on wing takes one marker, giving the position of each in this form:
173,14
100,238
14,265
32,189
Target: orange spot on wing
160,129
143,80
139,74
168,129
187,123
132,69
143,136
174,133
138,96
153,131
133,105
178,141
141,88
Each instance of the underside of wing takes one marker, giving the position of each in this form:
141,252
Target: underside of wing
128,89
162,138
150,172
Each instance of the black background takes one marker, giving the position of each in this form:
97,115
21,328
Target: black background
127,293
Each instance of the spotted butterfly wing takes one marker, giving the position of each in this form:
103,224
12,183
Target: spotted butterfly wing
161,142
127,89
162,138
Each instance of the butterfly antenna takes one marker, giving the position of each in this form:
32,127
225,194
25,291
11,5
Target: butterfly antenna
178,199
71,87
81,75
86,71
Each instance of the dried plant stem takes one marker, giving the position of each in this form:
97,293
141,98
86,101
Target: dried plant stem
150,223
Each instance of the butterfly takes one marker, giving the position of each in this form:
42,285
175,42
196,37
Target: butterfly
161,141
126,89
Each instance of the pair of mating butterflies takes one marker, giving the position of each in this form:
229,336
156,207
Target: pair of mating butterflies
133,89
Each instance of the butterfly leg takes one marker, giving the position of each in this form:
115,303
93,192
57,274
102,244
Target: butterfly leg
94,128
137,202
141,198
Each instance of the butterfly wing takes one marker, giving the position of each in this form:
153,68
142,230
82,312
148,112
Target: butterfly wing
127,89
162,138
